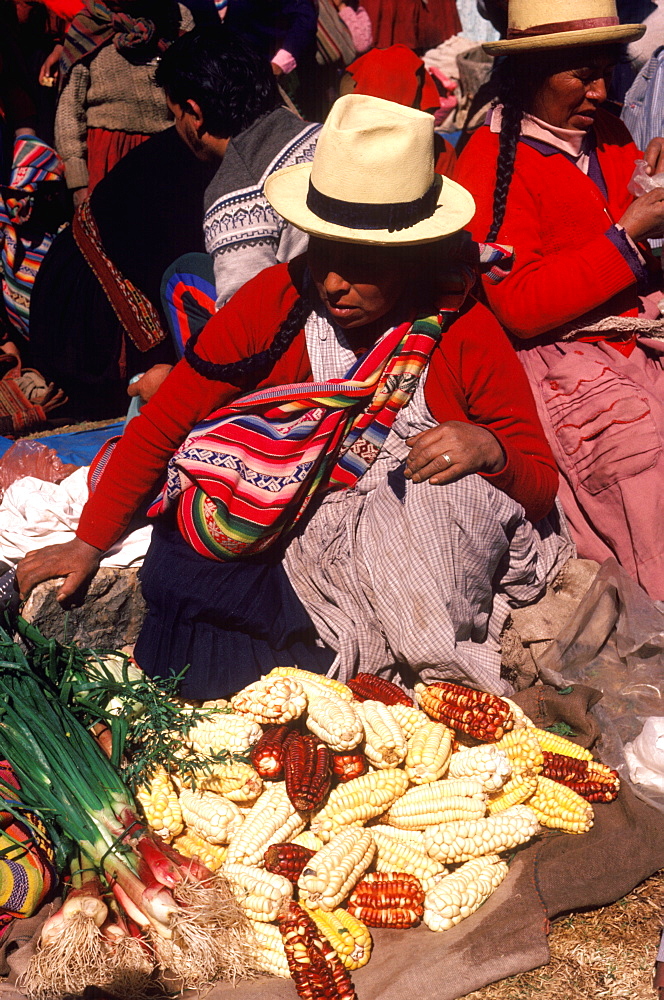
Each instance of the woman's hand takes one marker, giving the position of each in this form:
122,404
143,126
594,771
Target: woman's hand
49,69
79,196
644,219
149,382
654,155
452,450
76,561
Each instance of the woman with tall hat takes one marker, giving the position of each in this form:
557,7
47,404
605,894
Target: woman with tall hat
380,518
550,171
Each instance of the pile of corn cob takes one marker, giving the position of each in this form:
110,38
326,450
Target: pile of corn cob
360,809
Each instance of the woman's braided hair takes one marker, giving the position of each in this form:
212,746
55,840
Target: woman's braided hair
252,370
511,96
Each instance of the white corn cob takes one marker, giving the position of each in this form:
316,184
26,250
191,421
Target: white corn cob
209,815
332,872
315,683
358,800
485,763
224,731
273,819
466,839
307,839
393,855
410,719
414,837
521,720
267,950
428,753
458,895
437,802
235,780
385,743
271,700
260,893
334,721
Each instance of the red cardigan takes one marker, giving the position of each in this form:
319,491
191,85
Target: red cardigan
556,220
473,375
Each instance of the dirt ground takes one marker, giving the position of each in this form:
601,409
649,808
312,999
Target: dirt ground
605,954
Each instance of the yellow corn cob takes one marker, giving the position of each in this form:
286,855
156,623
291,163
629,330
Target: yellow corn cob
315,683
267,950
558,744
334,721
385,743
458,895
239,782
393,855
209,815
307,839
260,893
358,800
523,750
466,839
516,791
486,764
438,802
428,753
271,700
161,806
410,719
273,820
521,720
192,845
560,807
414,837
332,872
224,731
350,938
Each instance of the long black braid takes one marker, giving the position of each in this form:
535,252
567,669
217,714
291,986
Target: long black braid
511,96
250,371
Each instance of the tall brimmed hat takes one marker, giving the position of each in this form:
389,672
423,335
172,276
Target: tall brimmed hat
543,24
372,179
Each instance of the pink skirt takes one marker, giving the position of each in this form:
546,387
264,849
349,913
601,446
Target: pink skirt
105,149
603,414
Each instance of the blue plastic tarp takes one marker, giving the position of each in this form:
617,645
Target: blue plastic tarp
75,447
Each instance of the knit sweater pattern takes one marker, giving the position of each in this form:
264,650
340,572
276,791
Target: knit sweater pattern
112,93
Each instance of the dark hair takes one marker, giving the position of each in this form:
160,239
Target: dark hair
248,372
232,84
519,77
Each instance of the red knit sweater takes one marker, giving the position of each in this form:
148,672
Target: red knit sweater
473,375
556,219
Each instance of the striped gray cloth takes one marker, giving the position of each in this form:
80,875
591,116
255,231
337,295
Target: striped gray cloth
422,576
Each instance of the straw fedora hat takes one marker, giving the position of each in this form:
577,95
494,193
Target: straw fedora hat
372,179
542,24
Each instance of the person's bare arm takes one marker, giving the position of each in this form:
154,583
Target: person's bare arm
76,561
452,450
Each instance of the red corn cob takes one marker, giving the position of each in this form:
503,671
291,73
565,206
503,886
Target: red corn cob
267,756
370,687
588,778
483,716
287,859
387,900
348,765
314,964
307,770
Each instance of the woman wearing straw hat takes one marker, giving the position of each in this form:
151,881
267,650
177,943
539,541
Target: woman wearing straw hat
550,173
417,447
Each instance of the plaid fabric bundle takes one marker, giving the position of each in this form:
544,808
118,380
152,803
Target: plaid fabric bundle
248,473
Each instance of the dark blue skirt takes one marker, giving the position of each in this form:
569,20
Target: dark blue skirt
229,622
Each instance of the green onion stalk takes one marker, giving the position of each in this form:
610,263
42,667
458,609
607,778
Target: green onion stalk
89,812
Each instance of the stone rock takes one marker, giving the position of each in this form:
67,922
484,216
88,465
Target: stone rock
110,617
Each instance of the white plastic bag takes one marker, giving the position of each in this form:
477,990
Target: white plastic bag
645,756
641,181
